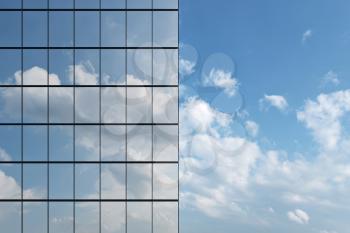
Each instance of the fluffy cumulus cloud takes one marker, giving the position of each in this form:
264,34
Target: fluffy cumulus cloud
10,189
4,156
252,127
276,101
323,117
299,216
186,67
221,79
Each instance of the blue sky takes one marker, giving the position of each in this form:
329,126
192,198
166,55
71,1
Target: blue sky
290,71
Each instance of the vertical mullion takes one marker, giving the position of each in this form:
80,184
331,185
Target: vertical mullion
152,129
178,119
74,217
100,120
22,116
48,117
126,116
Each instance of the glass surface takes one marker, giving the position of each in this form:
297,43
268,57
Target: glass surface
10,67
10,143
87,217
113,143
35,4
35,217
61,104
165,4
10,22
83,4
113,181
87,142
10,220
165,181
35,67
112,29
61,181
139,28
139,181
139,67
13,4
165,104
61,143
139,4
87,67
113,217
165,29
61,4
35,143
61,217
10,181
35,105
165,143
10,105
87,181
114,4
139,217
139,108
35,181
35,29
87,105
61,28
165,217
113,105
139,143
86,36
61,66
165,67
113,66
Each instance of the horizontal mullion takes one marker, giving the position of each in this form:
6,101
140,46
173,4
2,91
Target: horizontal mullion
89,162
89,200
132,124
86,9
45,86
86,47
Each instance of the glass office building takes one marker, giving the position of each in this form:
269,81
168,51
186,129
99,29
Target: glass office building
89,116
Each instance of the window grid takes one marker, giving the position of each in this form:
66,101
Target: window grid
128,125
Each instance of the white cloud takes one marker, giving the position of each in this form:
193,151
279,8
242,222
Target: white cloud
323,117
252,128
9,187
221,79
186,67
276,101
4,156
298,216
330,77
306,36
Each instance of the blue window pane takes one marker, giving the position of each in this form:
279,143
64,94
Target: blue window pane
61,217
10,143
11,181
61,28
10,220
10,28
139,28
116,4
61,181
61,143
87,4
34,28
35,143
87,65
35,105
34,181
113,29
165,29
61,64
10,67
86,35
165,4
61,4
61,104
35,67
35,4
10,105
113,67
113,143
139,4
35,217
87,143
87,181
87,217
